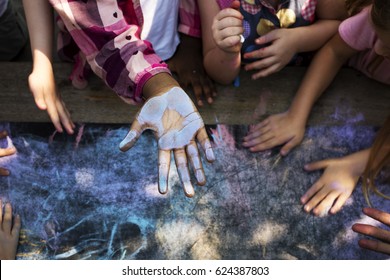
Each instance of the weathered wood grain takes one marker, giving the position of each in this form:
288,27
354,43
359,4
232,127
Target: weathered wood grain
352,96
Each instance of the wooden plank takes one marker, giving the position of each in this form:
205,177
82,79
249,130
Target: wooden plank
351,98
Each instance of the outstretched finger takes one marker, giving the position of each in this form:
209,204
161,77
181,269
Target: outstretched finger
53,114
339,203
65,117
196,163
164,162
372,231
197,88
288,147
378,215
256,132
7,151
375,245
16,227
258,136
204,141
267,71
7,219
1,214
310,193
131,137
184,174
4,172
207,90
268,38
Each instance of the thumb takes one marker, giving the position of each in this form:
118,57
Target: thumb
131,137
37,93
316,165
288,147
39,100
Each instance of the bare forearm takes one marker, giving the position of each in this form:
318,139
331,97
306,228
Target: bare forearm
314,36
319,76
216,59
39,16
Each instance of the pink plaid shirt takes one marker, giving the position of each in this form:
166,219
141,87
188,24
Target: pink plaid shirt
105,37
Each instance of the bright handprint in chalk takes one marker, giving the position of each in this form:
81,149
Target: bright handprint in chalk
177,125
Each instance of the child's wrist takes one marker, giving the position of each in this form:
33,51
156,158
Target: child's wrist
298,115
158,85
42,65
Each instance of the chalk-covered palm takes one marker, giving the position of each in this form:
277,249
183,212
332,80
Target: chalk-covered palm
177,125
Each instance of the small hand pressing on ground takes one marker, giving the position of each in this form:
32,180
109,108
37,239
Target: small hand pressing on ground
176,124
329,193
9,232
5,152
43,87
280,129
381,243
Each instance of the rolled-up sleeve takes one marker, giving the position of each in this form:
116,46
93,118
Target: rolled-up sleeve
108,34
189,18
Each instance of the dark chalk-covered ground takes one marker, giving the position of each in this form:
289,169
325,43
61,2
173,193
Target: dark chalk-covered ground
79,197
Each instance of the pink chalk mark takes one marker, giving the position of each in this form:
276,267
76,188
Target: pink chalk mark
222,136
79,135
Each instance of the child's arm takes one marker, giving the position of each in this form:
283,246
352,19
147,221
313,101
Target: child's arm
187,64
329,193
170,113
288,128
285,43
331,9
39,17
319,76
221,40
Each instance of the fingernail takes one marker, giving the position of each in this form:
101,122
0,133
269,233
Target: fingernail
128,139
210,154
200,177
162,186
188,189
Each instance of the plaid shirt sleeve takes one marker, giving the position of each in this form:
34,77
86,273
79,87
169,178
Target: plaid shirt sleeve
189,18
108,35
